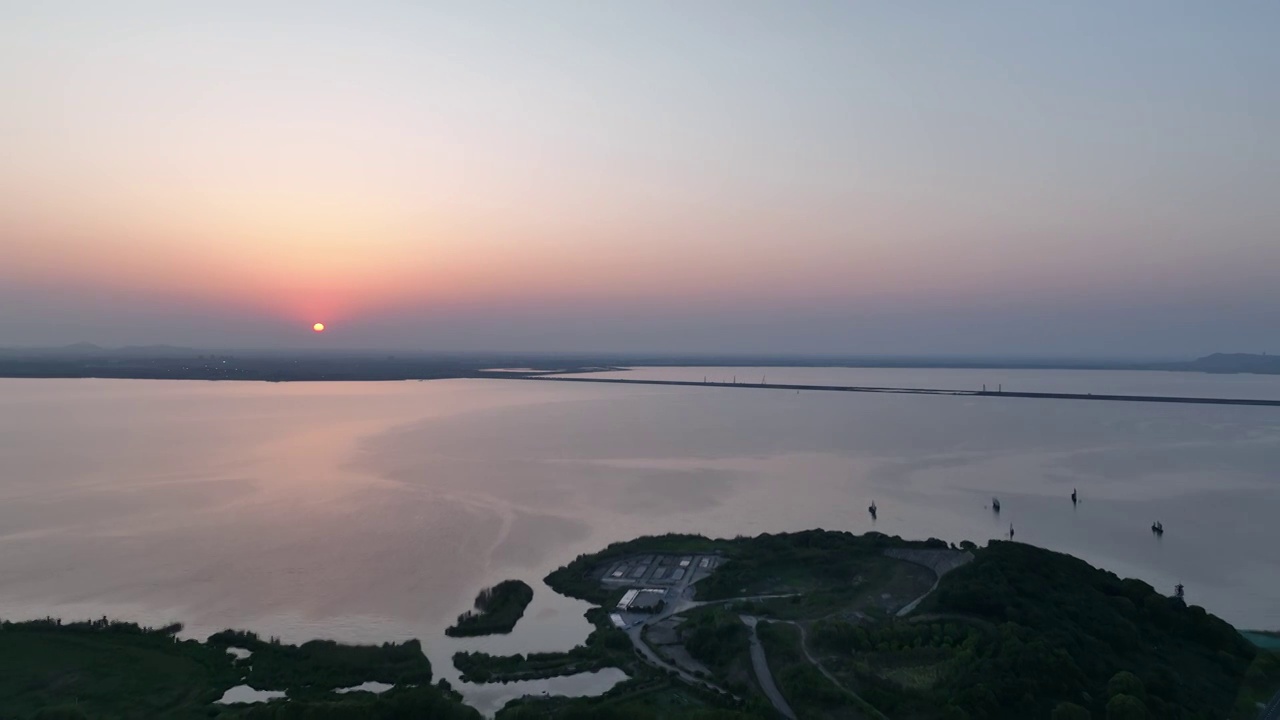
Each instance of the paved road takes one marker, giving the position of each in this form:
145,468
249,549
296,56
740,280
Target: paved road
763,674
676,607
653,659
678,600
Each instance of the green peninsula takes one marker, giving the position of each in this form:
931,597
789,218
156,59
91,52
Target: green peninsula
824,624
497,610
812,625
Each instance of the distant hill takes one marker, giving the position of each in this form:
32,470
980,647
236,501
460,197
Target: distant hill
80,348
1236,363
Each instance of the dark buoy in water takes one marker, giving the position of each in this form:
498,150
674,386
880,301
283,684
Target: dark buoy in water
1157,527
1074,499
872,509
995,504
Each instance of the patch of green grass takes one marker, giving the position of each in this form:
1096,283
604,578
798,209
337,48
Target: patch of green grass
108,672
811,563
861,594
103,669
912,669
481,667
716,638
652,698
1261,682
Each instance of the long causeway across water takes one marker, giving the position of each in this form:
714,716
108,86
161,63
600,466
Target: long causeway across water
916,391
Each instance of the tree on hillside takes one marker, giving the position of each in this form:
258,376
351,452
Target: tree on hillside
1070,711
1126,707
1126,683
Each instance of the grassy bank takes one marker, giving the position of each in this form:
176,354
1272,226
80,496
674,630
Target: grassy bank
108,669
606,646
105,669
318,666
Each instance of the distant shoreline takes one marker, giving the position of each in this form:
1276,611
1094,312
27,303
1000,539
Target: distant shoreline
260,366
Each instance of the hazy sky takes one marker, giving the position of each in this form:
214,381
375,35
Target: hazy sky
1085,178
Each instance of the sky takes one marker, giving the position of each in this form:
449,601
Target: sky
1085,178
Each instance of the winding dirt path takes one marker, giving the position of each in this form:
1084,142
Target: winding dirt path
813,660
763,674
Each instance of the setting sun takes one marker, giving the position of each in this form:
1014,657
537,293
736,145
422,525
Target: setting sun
318,327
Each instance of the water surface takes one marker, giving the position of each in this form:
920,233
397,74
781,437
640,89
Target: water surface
368,512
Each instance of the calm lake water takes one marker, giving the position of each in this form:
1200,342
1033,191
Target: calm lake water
368,512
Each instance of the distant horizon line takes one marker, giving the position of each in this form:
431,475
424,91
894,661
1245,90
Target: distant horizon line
87,347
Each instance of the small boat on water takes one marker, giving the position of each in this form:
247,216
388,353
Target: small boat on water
1074,498
872,509
995,504
1157,527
